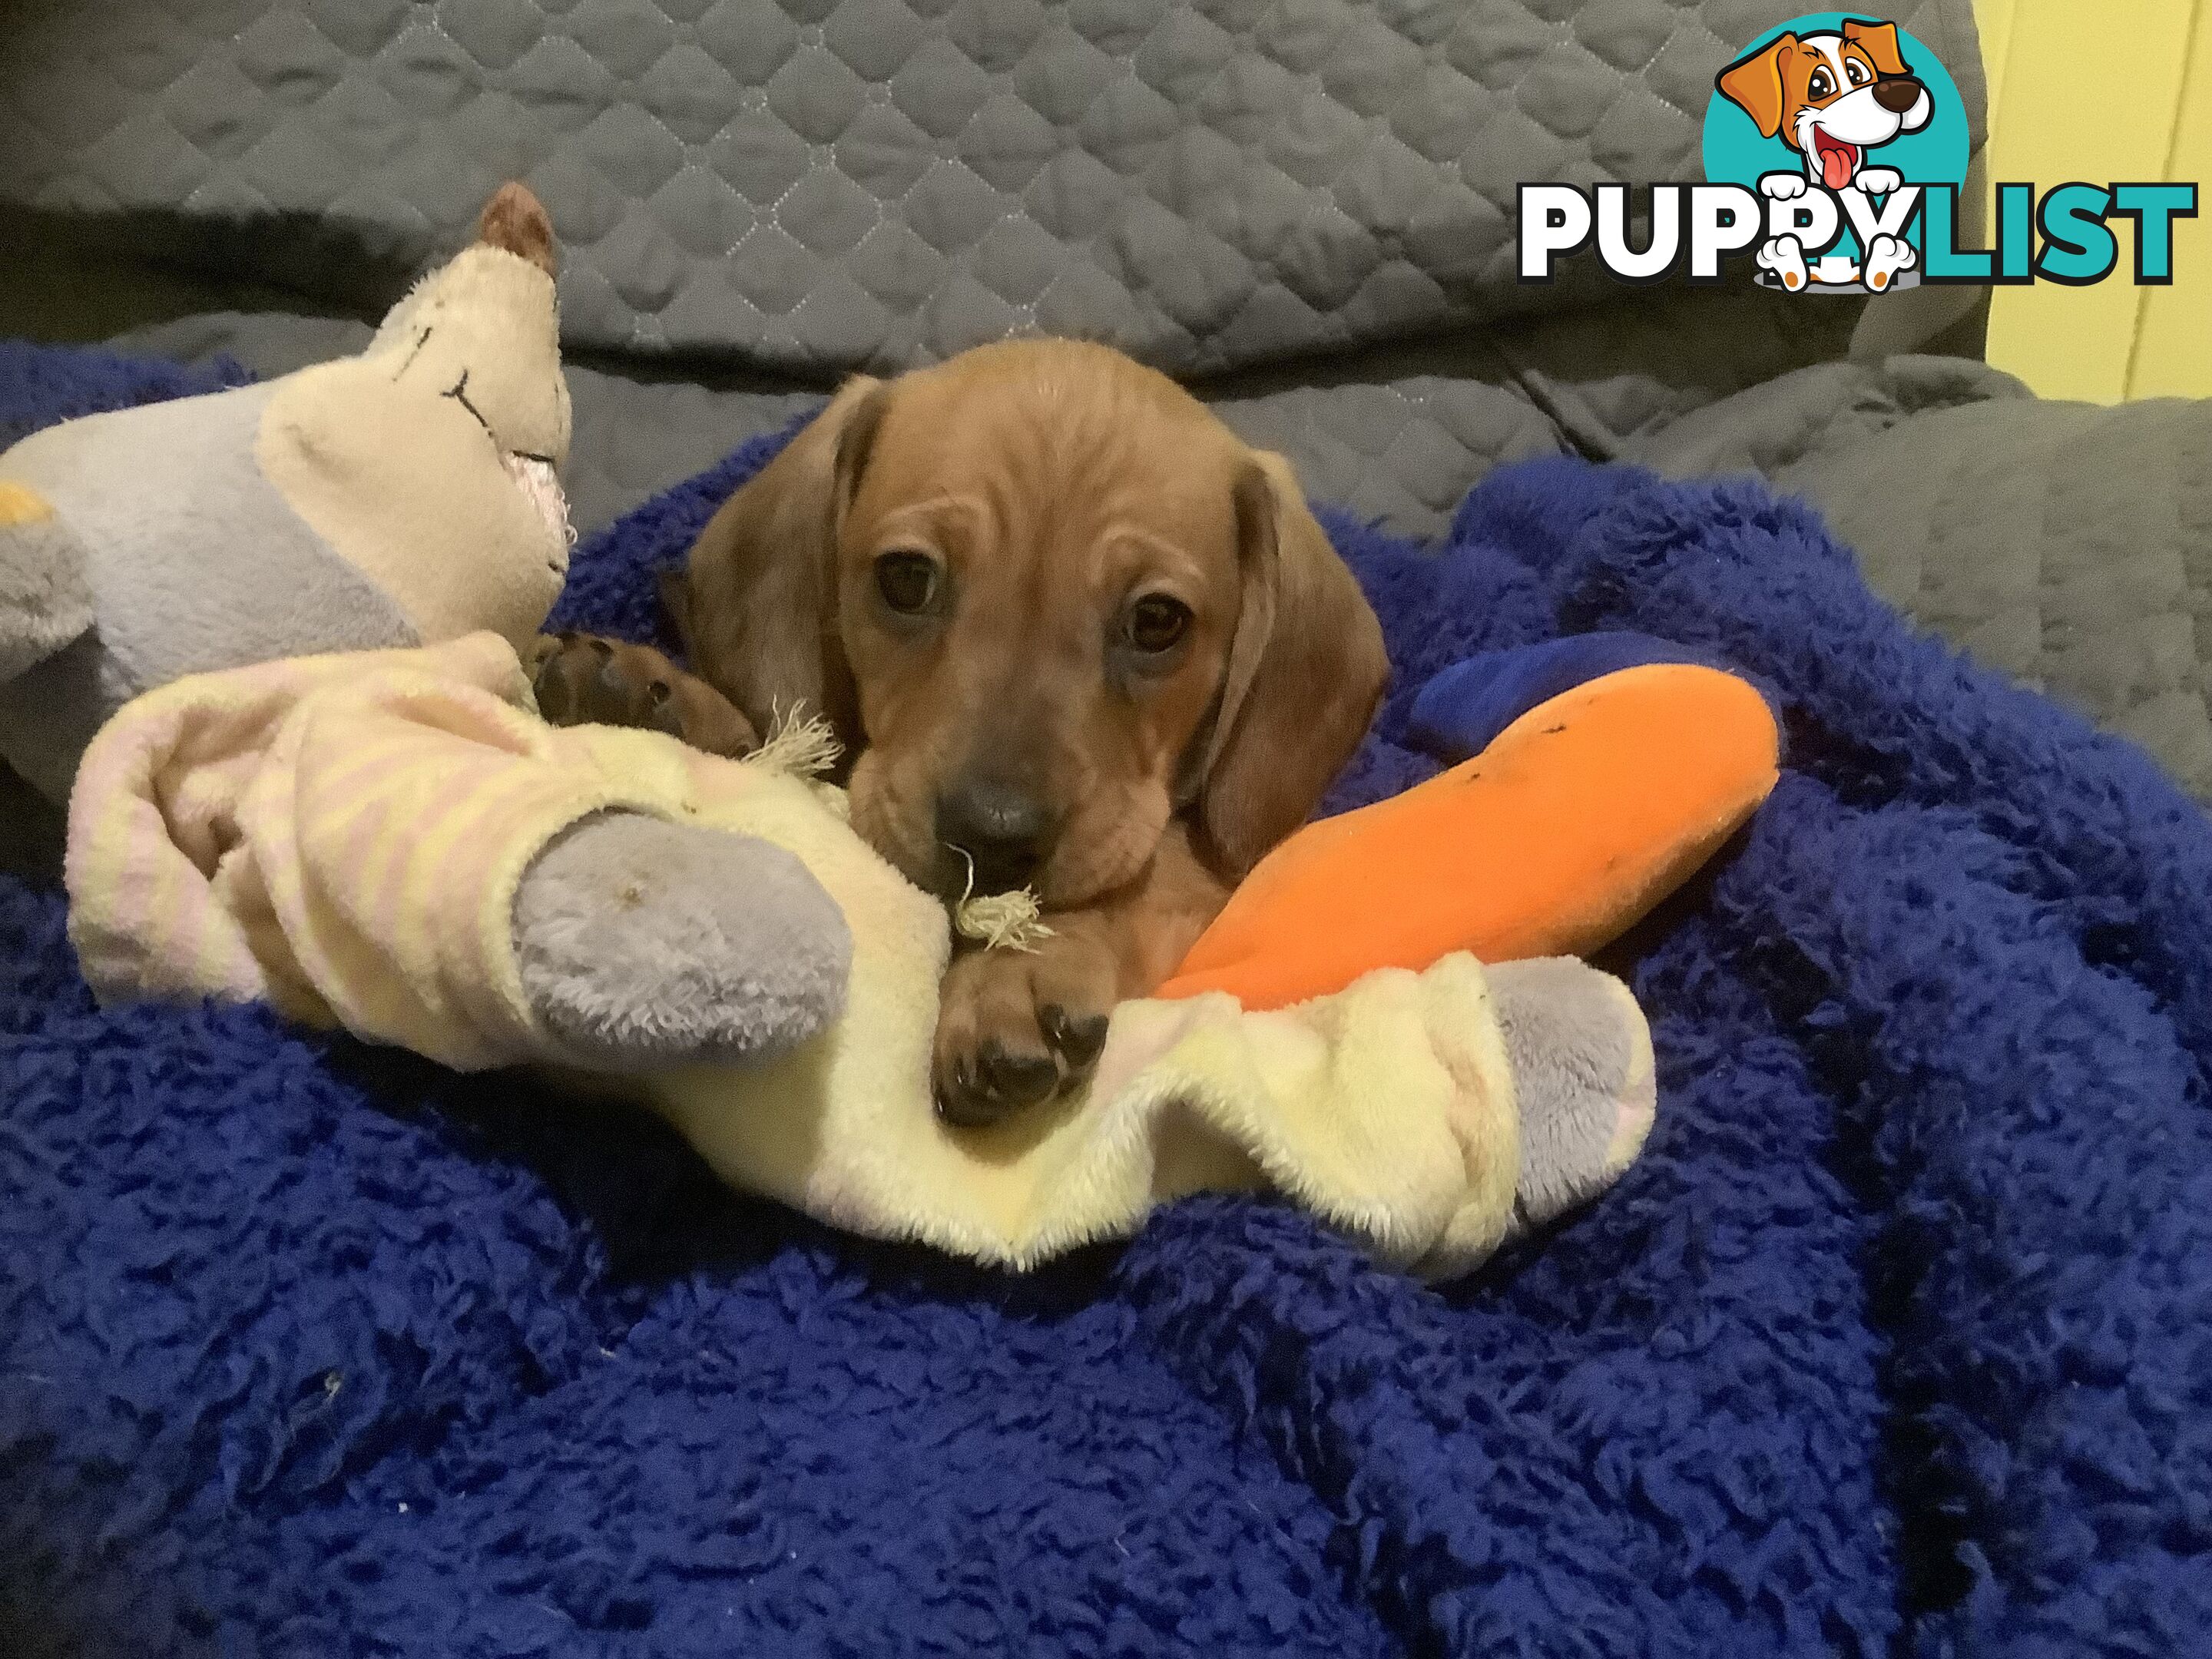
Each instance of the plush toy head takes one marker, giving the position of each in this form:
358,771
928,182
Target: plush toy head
401,497
385,454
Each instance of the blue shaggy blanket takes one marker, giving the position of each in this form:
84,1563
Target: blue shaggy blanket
1898,1340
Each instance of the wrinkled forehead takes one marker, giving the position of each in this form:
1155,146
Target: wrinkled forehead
1058,462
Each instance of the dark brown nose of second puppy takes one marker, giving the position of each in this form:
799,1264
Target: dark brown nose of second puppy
1006,831
1896,93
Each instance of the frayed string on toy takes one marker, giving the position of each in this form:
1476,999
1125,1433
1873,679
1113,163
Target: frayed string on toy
998,921
807,745
799,743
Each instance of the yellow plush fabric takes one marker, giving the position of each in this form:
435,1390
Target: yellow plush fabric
343,836
1387,1109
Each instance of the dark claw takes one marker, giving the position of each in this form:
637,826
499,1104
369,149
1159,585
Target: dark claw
987,1086
1076,1041
964,1108
966,1111
955,1101
661,713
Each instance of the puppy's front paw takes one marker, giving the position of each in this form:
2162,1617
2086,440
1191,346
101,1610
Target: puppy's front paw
1782,186
581,679
1878,181
1015,1027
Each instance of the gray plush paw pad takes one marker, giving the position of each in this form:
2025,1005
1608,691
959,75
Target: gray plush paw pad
643,942
1583,1072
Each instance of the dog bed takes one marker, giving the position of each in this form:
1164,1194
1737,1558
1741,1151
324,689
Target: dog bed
1898,1338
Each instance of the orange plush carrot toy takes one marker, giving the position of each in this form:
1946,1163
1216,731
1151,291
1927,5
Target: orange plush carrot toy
1602,770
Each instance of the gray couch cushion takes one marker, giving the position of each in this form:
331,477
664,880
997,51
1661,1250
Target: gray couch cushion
823,184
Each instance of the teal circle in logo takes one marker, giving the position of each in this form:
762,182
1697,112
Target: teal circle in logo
1738,152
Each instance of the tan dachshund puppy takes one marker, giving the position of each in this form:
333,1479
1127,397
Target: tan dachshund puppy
1076,636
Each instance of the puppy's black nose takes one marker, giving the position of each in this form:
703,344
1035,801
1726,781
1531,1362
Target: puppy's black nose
1006,831
1896,93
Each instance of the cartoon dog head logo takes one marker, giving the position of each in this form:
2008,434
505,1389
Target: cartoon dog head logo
1831,97
1840,100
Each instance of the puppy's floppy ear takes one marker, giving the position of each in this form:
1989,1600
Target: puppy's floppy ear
1306,669
1880,42
1753,83
757,605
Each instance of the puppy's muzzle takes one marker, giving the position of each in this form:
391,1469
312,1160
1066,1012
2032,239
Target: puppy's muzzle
1005,830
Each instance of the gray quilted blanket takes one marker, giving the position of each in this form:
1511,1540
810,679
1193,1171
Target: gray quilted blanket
1304,206
841,183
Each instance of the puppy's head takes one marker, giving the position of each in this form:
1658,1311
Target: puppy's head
1830,96
1051,602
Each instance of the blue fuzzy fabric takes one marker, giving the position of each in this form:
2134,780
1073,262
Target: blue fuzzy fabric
1896,1341
40,385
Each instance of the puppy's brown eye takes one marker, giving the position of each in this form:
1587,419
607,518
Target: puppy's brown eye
1855,71
1819,86
908,582
1156,623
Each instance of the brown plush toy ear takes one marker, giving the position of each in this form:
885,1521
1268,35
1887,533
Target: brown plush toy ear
1755,85
1880,42
1306,669
517,220
758,604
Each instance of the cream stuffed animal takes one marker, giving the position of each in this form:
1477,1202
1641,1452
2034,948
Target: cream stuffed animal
392,500
402,496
